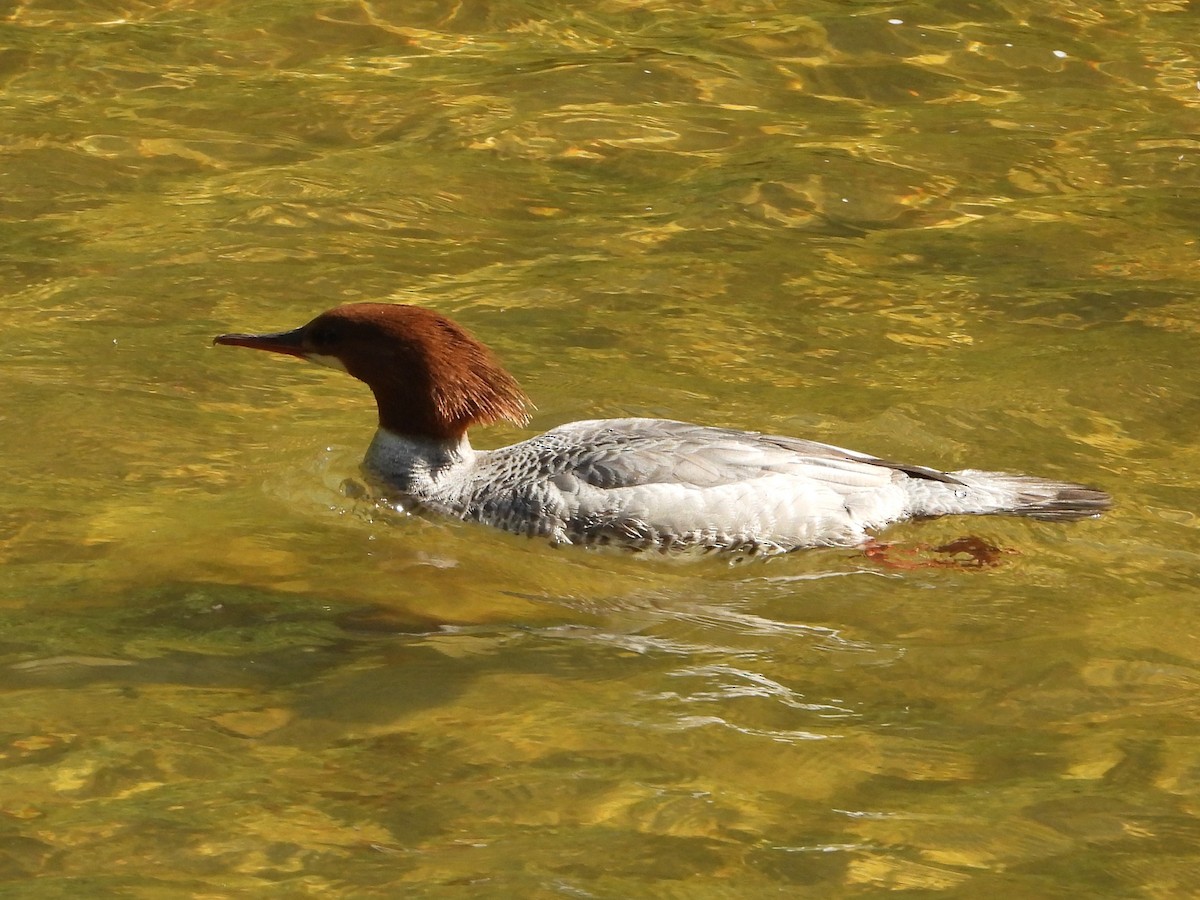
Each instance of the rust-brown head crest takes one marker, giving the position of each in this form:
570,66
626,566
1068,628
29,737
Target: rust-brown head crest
429,375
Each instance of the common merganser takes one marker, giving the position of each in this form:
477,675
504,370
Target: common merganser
640,484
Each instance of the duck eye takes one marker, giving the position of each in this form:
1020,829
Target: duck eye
323,336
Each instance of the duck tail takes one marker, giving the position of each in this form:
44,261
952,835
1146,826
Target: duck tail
1028,495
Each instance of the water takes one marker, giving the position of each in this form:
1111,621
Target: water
957,234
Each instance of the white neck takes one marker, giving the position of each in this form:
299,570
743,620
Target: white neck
413,463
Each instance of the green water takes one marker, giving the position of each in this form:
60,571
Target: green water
959,233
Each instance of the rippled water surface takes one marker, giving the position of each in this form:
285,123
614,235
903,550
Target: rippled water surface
956,233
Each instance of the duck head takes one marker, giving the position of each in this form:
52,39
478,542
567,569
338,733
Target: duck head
431,378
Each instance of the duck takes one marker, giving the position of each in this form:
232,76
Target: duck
644,485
